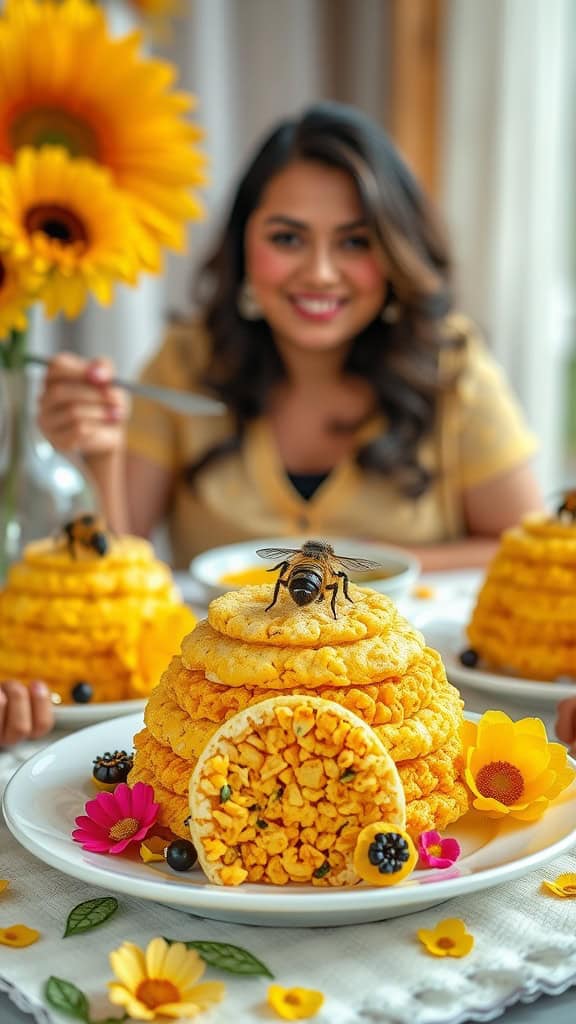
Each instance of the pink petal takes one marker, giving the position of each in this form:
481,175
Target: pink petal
100,815
142,796
104,808
90,826
439,862
122,797
430,838
90,843
451,849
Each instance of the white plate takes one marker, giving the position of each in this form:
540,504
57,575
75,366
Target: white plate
49,790
208,568
73,716
447,635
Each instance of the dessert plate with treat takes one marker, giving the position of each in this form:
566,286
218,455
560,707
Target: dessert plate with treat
519,638
448,636
49,790
75,716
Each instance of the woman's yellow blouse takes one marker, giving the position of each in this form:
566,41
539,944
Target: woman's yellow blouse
480,433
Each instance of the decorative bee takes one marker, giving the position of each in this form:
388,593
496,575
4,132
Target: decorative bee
87,532
567,510
312,570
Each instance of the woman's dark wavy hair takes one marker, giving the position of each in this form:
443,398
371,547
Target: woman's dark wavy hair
400,359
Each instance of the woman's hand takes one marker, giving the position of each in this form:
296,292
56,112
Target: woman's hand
79,411
26,713
566,722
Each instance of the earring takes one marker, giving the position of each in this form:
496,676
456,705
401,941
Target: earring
247,303
391,312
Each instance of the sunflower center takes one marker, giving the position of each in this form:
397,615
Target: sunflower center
155,992
58,223
500,780
44,126
124,828
445,943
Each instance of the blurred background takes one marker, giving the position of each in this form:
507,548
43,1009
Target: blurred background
480,96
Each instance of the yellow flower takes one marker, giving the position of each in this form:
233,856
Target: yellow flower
161,981
152,849
563,886
4,883
63,218
65,81
511,768
448,938
295,1003
18,287
18,935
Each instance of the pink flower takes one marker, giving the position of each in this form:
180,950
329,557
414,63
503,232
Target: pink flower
113,820
435,852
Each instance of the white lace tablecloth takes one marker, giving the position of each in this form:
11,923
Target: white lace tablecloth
525,945
370,974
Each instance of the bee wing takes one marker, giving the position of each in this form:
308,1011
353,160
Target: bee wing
359,564
276,552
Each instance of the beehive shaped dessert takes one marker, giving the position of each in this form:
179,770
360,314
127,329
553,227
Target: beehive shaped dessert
368,660
524,620
96,623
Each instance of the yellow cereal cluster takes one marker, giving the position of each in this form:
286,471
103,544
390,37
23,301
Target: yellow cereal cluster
110,621
524,621
368,662
283,790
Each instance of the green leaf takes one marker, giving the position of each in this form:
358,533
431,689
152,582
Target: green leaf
65,997
90,914
229,958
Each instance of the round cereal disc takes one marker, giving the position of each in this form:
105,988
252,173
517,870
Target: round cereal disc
242,615
231,662
282,790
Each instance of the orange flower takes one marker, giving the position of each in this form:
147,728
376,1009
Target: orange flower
18,935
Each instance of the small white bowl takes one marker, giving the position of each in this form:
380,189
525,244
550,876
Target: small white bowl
401,569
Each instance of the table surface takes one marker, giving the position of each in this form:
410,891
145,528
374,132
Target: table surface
546,1009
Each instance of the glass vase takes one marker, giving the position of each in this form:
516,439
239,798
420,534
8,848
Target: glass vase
40,489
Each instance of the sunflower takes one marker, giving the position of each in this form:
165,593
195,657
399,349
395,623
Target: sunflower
64,81
511,768
63,218
18,287
161,981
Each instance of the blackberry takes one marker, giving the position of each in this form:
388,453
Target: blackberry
181,855
81,692
469,657
388,851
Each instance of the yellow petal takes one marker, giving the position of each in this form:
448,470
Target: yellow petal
155,957
152,849
294,1003
128,965
563,886
4,883
18,935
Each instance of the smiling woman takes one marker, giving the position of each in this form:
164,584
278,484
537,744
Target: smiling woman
359,402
